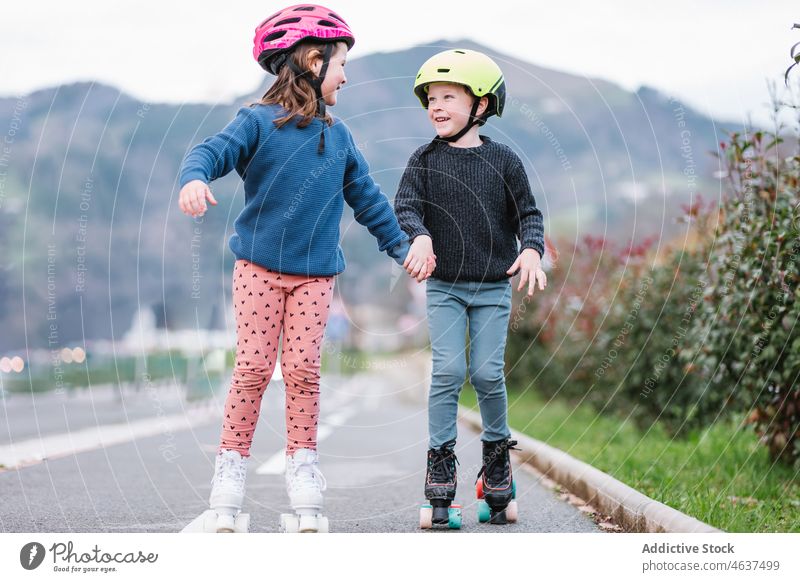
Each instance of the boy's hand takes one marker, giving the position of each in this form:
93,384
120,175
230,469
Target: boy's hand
192,199
420,261
430,266
530,265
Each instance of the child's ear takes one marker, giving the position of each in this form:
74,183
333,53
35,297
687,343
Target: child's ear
316,65
482,105
313,60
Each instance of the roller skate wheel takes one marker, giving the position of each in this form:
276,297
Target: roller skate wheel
242,523
309,524
454,517
484,512
225,524
289,523
322,525
479,489
426,517
512,512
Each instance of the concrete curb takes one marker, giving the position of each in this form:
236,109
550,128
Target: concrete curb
630,509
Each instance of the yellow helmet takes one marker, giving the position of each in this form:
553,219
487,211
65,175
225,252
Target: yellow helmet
465,67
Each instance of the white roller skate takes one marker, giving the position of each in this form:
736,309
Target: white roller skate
227,494
304,484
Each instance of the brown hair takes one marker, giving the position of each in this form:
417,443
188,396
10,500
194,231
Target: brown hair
294,92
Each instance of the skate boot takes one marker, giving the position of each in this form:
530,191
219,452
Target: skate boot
304,484
227,493
440,489
495,485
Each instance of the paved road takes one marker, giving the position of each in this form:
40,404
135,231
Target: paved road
372,450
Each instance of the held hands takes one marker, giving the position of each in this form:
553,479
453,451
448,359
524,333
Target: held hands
420,261
530,265
192,200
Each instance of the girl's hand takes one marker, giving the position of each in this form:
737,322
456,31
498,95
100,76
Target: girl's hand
530,264
192,199
420,261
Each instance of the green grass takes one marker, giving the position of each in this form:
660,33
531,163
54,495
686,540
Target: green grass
350,362
189,370
721,476
124,370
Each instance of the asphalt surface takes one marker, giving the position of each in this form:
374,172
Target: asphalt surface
372,455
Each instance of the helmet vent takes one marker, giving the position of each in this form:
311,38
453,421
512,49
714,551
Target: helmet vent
288,21
460,52
304,9
274,36
339,18
442,70
268,19
326,23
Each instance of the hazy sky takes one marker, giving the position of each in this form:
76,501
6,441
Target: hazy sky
715,55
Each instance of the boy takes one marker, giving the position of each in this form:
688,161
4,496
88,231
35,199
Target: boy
466,198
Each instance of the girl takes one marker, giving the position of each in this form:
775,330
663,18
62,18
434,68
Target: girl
299,166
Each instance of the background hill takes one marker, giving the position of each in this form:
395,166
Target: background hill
90,229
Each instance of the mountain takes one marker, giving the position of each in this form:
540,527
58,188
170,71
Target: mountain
90,229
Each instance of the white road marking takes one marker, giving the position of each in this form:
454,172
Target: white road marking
276,464
36,450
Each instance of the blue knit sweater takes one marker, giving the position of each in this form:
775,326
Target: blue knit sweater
294,196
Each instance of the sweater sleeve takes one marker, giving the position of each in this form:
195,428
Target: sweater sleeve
219,154
409,202
525,216
371,207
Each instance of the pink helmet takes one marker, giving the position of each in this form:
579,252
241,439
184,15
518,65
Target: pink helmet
277,35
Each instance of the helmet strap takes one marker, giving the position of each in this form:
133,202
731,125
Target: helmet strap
472,121
316,82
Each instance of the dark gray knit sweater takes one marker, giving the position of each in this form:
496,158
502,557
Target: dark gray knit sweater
474,203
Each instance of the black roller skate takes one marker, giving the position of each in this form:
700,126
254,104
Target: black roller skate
440,489
495,485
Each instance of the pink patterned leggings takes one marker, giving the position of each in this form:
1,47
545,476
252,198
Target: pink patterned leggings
266,304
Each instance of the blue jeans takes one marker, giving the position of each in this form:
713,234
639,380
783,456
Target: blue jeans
484,308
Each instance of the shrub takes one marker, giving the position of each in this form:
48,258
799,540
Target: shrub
751,344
